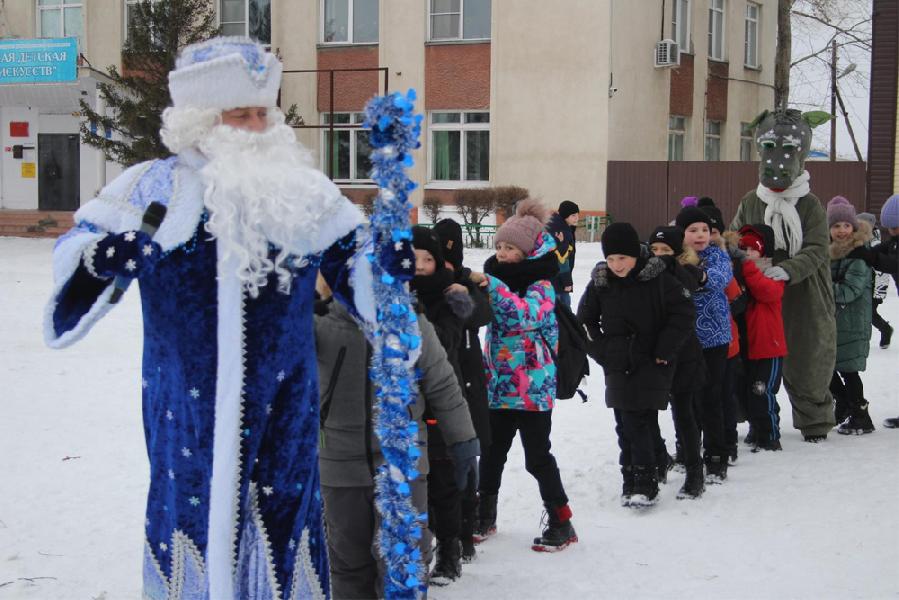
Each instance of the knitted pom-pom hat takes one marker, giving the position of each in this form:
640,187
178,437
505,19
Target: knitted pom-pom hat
620,238
523,229
840,210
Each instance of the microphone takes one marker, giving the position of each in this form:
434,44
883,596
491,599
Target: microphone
152,218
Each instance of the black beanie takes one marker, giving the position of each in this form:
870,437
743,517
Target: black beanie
425,239
708,205
568,208
673,237
450,235
621,238
691,214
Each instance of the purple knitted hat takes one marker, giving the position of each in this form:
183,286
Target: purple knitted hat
523,229
840,210
889,214
688,201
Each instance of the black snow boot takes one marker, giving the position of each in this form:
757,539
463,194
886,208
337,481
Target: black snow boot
694,483
646,488
664,463
716,469
891,423
678,458
814,438
858,423
466,536
885,336
841,409
627,482
449,564
750,437
767,444
558,533
732,453
486,518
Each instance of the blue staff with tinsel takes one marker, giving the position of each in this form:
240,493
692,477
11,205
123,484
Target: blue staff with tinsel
395,342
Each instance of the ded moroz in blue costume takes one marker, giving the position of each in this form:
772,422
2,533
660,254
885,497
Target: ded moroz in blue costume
230,383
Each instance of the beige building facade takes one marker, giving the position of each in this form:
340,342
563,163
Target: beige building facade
516,92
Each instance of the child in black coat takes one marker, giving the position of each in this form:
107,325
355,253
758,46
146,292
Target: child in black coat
638,316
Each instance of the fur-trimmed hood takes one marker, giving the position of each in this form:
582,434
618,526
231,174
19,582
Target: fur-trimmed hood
688,257
861,236
653,267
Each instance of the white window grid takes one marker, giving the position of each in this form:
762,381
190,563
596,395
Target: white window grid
350,29
245,21
747,144
680,24
713,140
128,5
355,118
460,33
751,51
677,130
60,6
460,126
716,30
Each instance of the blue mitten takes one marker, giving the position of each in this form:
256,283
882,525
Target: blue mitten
397,258
128,254
465,458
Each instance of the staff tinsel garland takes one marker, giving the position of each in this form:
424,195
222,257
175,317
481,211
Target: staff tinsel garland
395,343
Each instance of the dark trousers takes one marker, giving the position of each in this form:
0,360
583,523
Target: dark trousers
451,512
762,383
729,405
711,415
879,323
534,428
847,390
636,437
686,426
352,522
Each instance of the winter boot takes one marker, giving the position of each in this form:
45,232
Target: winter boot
558,533
885,336
716,469
769,445
750,437
678,458
627,483
858,423
694,484
891,423
841,409
646,488
466,536
814,438
732,453
664,463
449,565
486,518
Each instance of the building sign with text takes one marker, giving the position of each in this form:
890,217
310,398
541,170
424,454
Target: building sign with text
38,61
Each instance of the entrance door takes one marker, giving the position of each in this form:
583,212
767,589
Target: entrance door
58,184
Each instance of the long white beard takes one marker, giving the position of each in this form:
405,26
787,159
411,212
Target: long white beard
261,189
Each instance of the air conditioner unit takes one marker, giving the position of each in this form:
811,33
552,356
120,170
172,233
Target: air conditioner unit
667,54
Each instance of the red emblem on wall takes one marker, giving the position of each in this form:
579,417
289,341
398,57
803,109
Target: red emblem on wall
18,129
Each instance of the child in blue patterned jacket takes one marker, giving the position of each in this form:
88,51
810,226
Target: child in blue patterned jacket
713,330
522,342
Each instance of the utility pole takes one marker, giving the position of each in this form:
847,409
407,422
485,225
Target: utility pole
833,101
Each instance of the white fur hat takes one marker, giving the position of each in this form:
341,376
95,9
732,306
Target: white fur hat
225,73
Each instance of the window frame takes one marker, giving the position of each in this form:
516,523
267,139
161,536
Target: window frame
460,37
673,133
246,21
462,127
61,6
126,4
338,127
350,41
718,7
755,22
710,136
746,138
677,14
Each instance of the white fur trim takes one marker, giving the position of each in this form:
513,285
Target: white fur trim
362,282
227,81
223,497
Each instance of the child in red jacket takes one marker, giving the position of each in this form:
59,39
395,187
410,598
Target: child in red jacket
765,341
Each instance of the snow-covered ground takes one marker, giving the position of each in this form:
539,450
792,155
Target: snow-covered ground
813,521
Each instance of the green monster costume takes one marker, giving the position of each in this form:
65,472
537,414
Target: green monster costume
802,237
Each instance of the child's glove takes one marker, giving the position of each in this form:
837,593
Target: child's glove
397,258
777,274
129,254
465,459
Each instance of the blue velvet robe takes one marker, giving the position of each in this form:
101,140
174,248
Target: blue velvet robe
230,391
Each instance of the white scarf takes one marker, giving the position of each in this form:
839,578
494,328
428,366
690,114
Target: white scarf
781,214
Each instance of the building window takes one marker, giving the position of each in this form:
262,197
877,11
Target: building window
60,18
716,29
350,21
747,146
713,140
250,18
460,20
751,53
130,8
460,146
677,132
680,24
349,153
